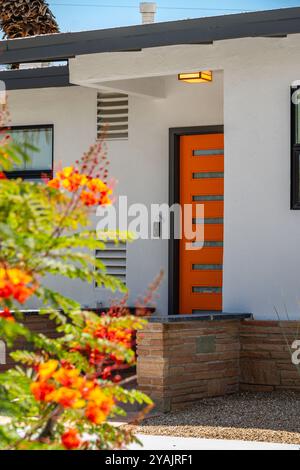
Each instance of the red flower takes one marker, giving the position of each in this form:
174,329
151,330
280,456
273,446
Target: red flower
6,291
71,440
14,283
88,198
41,390
6,315
22,293
54,184
95,414
2,176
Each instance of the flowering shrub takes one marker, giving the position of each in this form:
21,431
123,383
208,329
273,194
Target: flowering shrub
63,391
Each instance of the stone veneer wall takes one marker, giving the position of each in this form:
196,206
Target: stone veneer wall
180,363
265,358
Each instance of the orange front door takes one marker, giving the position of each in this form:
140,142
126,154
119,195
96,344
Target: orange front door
202,182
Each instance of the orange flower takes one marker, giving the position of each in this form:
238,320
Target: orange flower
88,198
69,178
55,183
86,388
97,186
94,414
14,283
47,369
68,377
71,440
6,315
97,396
93,190
15,276
98,414
115,335
22,293
41,390
99,406
67,397
105,200
45,390
66,172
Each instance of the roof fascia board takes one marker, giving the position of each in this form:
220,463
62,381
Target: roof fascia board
199,31
47,77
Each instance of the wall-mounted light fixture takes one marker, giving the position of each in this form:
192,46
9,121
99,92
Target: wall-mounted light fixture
196,77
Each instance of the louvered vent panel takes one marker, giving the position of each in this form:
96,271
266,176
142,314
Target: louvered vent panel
115,260
112,116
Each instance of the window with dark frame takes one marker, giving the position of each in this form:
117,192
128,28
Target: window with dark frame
41,137
295,148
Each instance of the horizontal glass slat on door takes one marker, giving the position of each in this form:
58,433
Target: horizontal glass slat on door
213,244
207,198
205,312
205,153
207,290
198,175
207,244
208,221
207,267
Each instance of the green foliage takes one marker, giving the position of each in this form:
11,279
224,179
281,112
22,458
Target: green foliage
32,217
14,154
46,231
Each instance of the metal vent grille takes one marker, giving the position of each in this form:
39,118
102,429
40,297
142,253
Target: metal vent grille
115,260
112,116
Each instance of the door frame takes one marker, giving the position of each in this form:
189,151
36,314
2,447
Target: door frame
174,198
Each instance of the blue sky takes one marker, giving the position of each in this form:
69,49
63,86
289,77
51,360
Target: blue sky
117,13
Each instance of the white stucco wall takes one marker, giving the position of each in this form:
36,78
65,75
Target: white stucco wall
262,234
140,164
261,246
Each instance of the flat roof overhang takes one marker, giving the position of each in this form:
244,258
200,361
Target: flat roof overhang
271,23
44,77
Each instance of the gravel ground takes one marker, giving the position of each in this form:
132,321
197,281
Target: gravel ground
261,417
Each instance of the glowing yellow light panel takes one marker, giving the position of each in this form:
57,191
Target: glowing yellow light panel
196,77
